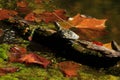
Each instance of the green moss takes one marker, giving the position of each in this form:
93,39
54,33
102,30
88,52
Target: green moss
8,78
4,51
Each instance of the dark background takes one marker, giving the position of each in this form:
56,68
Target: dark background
109,9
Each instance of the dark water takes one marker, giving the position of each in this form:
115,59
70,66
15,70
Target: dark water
109,9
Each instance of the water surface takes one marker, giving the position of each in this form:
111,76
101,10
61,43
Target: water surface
109,9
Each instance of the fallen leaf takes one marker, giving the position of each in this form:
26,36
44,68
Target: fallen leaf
6,14
6,70
22,3
56,15
22,7
98,43
33,58
108,45
16,52
69,68
30,17
86,27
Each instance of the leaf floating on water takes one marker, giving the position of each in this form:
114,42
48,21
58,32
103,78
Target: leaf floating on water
69,68
86,27
33,58
80,21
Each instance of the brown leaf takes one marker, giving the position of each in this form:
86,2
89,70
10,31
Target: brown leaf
6,70
34,58
22,3
69,68
47,17
5,14
1,32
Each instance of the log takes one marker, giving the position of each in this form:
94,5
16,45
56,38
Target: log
66,43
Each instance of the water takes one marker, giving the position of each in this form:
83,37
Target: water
108,9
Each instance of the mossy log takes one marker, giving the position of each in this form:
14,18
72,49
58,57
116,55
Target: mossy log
65,42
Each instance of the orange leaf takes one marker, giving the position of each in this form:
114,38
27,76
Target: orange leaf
69,68
81,21
5,14
30,17
86,27
108,45
36,59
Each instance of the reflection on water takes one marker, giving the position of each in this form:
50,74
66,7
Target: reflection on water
109,9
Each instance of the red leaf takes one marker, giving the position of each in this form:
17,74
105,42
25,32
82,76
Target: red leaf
98,43
69,68
4,71
5,14
34,58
